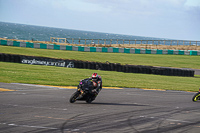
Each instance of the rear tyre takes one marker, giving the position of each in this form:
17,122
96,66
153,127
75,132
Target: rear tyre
196,97
74,97
89,100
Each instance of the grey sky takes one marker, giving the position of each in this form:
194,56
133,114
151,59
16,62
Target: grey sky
173,19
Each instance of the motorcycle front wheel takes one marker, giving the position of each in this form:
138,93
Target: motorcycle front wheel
196,97
74,97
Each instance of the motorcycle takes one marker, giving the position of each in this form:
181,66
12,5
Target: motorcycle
83,92
196,97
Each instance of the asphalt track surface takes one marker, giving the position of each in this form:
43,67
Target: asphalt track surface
45,109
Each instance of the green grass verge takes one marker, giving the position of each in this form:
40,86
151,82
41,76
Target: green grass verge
177,61
50,75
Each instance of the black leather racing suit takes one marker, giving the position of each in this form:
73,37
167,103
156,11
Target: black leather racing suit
98,81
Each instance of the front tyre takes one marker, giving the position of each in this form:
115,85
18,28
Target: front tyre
196,97
74,97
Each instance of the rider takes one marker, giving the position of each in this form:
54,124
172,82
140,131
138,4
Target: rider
97,83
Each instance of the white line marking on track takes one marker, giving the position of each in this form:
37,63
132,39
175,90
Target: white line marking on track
172,120
25,106
29,126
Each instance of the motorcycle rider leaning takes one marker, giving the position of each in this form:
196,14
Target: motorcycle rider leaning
97,83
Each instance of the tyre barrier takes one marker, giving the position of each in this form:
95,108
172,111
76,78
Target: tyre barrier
34,60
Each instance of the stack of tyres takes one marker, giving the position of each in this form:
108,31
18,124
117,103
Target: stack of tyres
171,72
134,69
111,67
167,72
85,65
91,65
143,69
154,70
88,65
131,69
12,58
99,66
162,71
183,73
150,68
175,72
147,69
1,57
80,64
94,65
119,68
76,63
179,72
6,58
114,65
104,66
139,69
188,73
123,68
191,73
127,69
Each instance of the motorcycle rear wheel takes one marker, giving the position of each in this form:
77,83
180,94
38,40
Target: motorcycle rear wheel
74,97
196,97
89,100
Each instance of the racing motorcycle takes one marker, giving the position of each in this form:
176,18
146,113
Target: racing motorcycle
196,97
83,92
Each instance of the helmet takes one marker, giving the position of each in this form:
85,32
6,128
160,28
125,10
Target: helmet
95,76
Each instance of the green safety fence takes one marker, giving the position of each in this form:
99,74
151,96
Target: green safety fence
98,49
